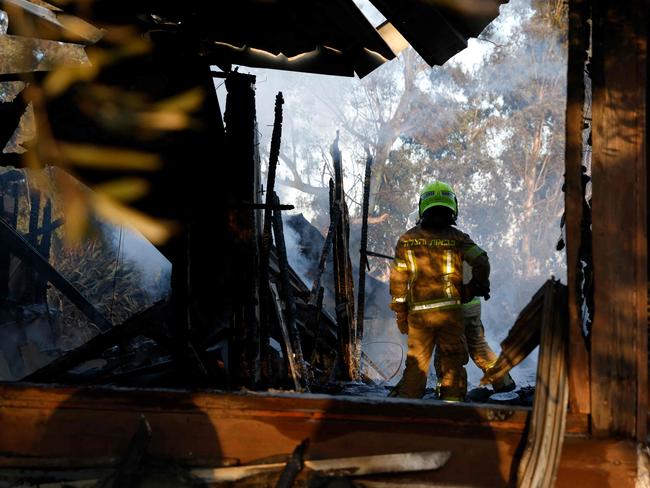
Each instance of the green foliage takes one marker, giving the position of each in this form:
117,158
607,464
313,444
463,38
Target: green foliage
491,125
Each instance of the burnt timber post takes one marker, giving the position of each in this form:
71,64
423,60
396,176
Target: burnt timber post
267,241
619,338
343,281
363,261
241,251
197,284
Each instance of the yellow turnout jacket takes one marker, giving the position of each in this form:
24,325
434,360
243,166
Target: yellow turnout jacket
427,273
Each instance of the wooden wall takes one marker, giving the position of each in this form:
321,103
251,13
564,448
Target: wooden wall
619,333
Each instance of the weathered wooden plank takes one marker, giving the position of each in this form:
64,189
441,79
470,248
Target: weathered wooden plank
588,462
523,337
541,457
619,335
188,427
579,393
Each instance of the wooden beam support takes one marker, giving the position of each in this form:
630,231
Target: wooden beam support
579,393
619,331
207,427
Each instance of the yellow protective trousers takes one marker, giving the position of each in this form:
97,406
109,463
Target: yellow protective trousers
479,350
477,346
442,330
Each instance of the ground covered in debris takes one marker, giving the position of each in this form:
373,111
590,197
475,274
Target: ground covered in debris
521,396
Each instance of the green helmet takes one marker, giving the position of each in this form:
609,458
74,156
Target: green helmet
438,194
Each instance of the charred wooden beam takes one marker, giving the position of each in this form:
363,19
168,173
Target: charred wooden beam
343,281
287,296
363,261
316,325
276,139
240,288
269,207
379,255
263,206
135,325
335,215
19,246
294,466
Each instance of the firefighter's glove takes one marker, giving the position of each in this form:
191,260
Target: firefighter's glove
466,293
473,289
402,322
480,289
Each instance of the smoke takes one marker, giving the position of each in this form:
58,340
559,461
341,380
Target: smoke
493,73
154,268
297,252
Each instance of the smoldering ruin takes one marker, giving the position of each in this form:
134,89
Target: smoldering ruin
198,222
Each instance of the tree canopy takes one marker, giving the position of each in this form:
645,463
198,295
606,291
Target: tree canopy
490,122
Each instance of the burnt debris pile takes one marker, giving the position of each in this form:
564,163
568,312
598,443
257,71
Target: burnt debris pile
238,315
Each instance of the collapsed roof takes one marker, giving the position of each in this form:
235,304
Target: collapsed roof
327,37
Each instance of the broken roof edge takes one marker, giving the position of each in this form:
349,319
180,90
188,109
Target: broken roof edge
452,23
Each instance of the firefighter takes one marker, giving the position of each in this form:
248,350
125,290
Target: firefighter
478,348
426,286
